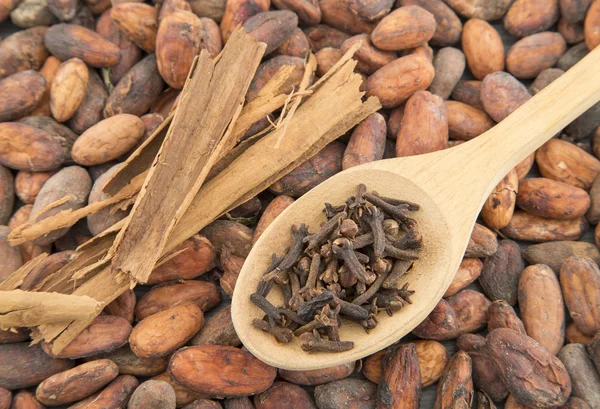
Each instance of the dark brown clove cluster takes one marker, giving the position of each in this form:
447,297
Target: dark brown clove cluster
351,268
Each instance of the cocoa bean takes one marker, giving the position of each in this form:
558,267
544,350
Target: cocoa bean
272,27
467,272
594,351
502,94
488,10
152,395
106,333
366,143
238,403
232,266
29,184
575,336
318,376
296,45
502,315
584,378
346,393
5,398
273,209
585,124
48,70
139,22
396,81
284,395
485,375
114,396
405,27
7,194
483,48
468,92
204,404
532,374
90,110
591,27
225,371
22,366
77,383
196,257
67,41
545,78
137,90
238,11
204,294
20,93
211,37
68,89
32,13
400,385
500,274
449,65
322,36
72,181
482,243
466,122
269,68
218,330
100,221
471,310
183,396
554,253
528,57
182,322
108,139
327,58
498,210
529,227
455,388
314,171
167,7
441,324
565,162
580,282
123,306
573,11
51,264
369,58
552,199
11,256
571,32
174,53
448,26
131,364
572,56
23,50
308,11
424,126
212,9
542,307
526,17
576,403
337,14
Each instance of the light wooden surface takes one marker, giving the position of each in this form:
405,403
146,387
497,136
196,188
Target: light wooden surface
450,185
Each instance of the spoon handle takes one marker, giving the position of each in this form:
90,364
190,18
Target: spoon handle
536,121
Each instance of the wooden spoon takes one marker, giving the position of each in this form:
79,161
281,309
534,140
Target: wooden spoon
450,185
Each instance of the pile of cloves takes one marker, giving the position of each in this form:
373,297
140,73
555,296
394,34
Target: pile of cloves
351,268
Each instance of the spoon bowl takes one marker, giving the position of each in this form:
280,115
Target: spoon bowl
451,187
430,268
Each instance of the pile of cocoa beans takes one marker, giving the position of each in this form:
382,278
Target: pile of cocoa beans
83,83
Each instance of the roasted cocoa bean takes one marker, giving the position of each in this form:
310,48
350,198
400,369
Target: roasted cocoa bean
152,395
542,307
580,282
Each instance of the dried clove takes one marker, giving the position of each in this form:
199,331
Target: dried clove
324,279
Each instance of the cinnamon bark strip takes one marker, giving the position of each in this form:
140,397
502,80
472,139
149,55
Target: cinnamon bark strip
203,120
